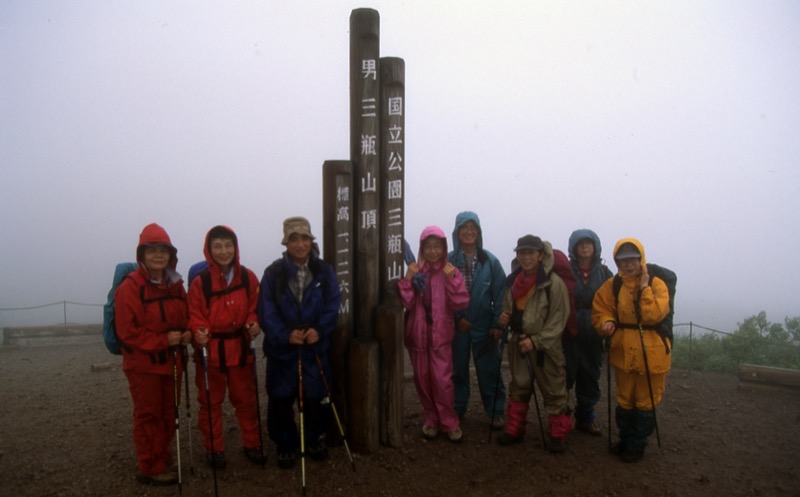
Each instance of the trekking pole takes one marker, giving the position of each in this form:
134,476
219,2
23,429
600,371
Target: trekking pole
535,397
188,407
210,422
646,367
258,404
176,383
607,343
503,340
302,426
329,400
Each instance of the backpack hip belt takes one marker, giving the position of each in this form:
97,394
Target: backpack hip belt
221,337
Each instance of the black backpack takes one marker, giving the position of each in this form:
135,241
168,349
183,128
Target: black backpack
664,328
205,279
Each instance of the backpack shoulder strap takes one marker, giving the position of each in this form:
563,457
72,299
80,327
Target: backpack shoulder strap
245,276
277,273
205,279
616,286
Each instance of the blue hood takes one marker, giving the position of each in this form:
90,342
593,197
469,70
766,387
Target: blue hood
461,219
579,235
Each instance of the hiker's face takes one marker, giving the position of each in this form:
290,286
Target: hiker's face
223,252
629,267
156,258
299,246
585,249
468,233
529,260
433,249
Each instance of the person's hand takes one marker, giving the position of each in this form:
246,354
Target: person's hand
644,278
464,325
201,336
449,270
412,271
503,319
186,338
174,337
252,329
525,345
311,336
297,337
497,333
608,328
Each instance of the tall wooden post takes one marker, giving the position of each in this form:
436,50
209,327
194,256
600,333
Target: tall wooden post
337,219
365,155
390,315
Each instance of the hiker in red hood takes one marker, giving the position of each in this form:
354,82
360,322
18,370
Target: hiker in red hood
222,317
150,313
432,291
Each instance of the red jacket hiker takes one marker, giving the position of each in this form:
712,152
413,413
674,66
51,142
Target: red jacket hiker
222,316
150,313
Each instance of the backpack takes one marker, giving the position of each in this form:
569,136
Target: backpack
664,328
563,268
196,269
201,269
277,270
113,343
205,279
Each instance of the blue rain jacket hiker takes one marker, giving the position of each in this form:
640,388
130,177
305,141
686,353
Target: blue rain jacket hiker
584,292
488,282
485,305
279,313
584,351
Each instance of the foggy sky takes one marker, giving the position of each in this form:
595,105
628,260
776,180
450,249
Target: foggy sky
673,122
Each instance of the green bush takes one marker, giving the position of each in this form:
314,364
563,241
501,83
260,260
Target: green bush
756,341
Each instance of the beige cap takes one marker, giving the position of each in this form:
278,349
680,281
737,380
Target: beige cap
297,224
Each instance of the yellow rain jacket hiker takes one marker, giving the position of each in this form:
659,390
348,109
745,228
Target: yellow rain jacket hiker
626,346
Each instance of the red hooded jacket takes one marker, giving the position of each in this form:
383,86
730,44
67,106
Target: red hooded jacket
145,310
229,308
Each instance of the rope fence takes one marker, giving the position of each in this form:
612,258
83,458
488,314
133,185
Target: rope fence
64,304
697,347
701,348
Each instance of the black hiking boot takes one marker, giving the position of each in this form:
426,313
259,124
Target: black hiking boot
505,439
217,460
163,479
318,451
254,455
286,460
632,455
557,446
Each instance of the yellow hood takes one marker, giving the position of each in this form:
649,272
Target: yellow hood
633,241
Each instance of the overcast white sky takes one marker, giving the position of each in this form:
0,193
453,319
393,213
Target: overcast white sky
674,122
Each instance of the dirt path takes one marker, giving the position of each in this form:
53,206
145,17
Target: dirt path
65,431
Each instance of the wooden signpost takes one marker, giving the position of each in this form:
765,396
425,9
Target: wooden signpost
363,203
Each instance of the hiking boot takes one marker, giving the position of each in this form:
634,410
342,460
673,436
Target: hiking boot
455,436
255,456
632,455
317,452
163,479
498,423
286,460
429,432
589,427
504,439
218,460
557,445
